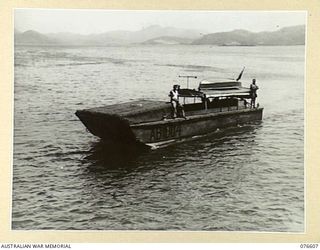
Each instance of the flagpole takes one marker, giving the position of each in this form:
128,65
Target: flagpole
240,75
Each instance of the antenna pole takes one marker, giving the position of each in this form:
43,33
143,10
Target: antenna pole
188,79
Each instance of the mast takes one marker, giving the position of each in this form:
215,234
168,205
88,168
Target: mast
188,79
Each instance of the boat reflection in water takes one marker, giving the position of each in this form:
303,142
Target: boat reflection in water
104,156
215,105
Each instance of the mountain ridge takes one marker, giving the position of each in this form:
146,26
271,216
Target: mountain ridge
155,34
291,35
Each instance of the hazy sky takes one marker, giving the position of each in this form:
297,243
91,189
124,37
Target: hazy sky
98,21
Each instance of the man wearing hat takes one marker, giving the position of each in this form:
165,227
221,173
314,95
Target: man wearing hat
174,100
253,93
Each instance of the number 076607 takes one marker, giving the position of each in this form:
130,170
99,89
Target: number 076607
308,245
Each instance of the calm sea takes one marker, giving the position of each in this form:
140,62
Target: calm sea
248,178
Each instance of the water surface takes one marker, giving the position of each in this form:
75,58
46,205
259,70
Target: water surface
248,178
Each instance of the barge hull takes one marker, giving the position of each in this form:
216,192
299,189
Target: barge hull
166,132
127,127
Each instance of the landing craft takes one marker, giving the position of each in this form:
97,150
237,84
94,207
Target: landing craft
216,104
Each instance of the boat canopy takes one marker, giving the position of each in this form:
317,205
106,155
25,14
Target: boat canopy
223,88
190,93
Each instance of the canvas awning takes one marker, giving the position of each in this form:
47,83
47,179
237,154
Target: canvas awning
223,88
241,92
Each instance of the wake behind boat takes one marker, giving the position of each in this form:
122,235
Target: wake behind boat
216,104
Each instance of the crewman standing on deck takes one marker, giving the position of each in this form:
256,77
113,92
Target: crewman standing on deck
253,93
174,100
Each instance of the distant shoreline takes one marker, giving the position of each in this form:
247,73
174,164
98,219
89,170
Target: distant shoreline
154,35
150,45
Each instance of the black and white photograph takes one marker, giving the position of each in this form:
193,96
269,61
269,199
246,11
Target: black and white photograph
167,120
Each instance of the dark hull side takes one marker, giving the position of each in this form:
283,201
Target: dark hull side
156,134
113,128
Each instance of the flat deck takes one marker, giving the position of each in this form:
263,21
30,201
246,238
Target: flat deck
130,108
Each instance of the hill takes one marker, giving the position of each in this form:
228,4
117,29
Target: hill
107,38
32,37
172,40
294,35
